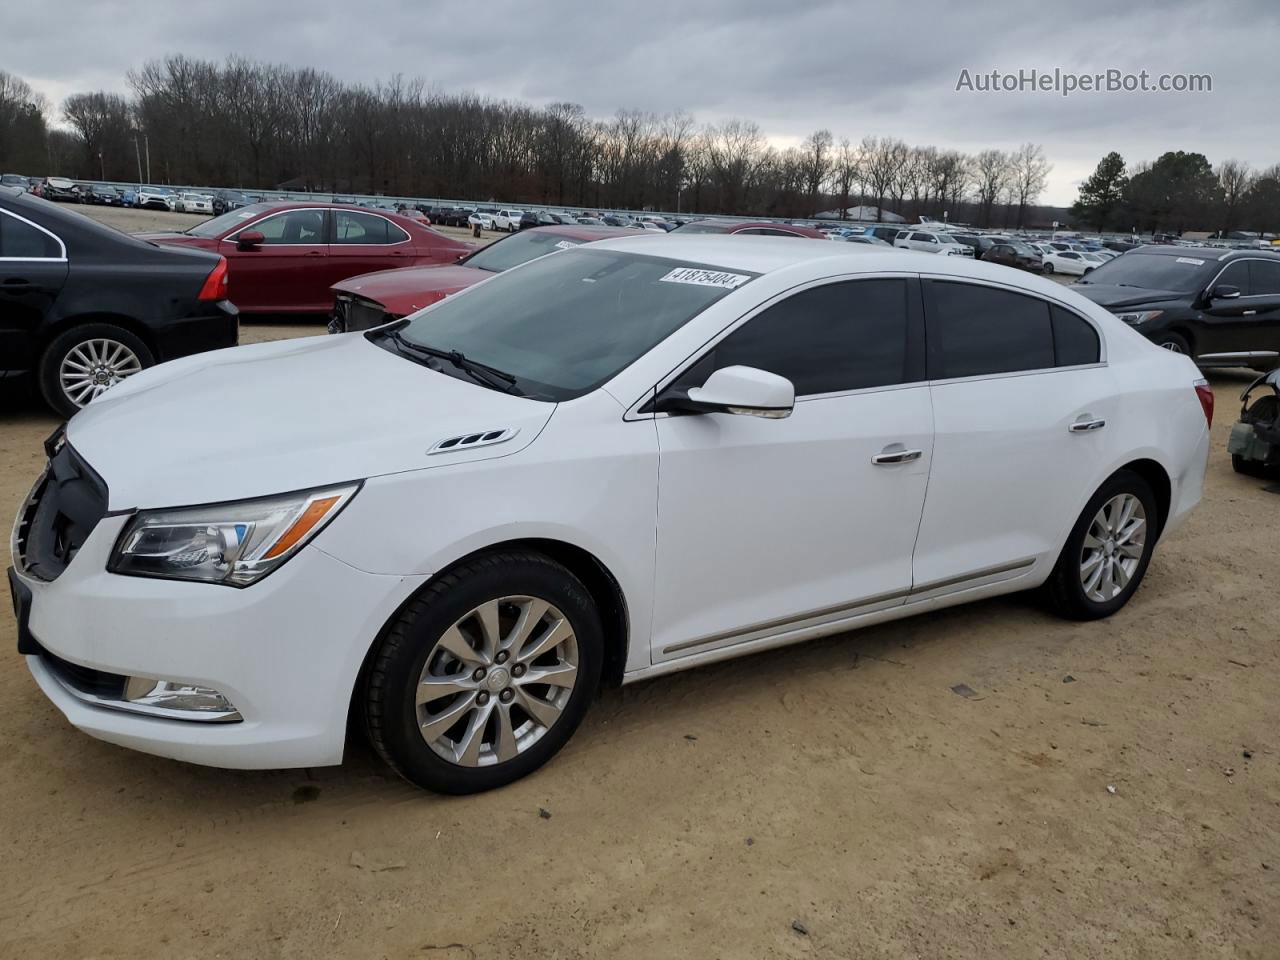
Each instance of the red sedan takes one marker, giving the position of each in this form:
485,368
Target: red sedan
758,228
377,298
283,257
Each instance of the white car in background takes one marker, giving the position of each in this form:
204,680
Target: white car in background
194,203
484,220
929,242
156,198
1071,262
617,461
507,219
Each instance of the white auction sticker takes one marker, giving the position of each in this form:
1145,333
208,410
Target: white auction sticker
566,245
1191,260
705,278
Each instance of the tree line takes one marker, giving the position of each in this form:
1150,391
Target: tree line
1180,191
247,124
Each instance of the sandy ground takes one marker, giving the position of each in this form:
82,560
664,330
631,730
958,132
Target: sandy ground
841,786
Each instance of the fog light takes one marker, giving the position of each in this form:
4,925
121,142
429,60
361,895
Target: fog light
170,695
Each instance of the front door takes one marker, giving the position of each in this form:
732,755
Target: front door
287,271
768,527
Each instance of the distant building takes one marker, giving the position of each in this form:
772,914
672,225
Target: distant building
862,213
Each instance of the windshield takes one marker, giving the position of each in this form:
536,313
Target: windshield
566,324
1152,271
217,226
517,249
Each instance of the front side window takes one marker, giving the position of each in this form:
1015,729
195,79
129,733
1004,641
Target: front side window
566,324
363,228
975,330
294,227
20,240
841,336
1236,275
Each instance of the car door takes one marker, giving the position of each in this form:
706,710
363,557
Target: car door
1245,323
768,526
33,269
365,242
287,271
1021,402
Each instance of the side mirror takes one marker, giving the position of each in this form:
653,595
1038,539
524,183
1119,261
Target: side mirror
737,390
249,239
1224,291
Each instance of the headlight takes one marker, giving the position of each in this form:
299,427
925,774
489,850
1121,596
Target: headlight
231,543
1141,316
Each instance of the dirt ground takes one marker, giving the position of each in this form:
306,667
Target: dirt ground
835,799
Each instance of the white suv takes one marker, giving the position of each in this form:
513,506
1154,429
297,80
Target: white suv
928,242
612,462
508,220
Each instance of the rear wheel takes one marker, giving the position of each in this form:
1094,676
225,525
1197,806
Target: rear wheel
84,362
484,677
1108,551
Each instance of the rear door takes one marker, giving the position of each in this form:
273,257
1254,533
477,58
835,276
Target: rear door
287,271
365,242
770,526
33,269
1021,403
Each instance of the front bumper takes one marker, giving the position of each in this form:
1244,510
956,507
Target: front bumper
286,651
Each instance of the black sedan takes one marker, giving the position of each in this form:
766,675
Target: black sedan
1222,309
224,200
82,306
101,195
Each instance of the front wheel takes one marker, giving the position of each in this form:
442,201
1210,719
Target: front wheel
1048,268
1174,343
1108,550
485,676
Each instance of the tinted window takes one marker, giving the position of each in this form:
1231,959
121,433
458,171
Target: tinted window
19,239
1074,339
518,248
296,226
842,336
365,228
977,330
1264,277
1236,275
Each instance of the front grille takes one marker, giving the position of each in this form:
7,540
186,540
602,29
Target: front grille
356,313
58,516
95,683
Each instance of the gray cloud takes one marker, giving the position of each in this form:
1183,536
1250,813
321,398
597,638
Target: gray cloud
857,68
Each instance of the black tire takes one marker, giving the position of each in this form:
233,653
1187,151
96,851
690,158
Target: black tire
1048,268
391,713
1173,342
47,374
1063,590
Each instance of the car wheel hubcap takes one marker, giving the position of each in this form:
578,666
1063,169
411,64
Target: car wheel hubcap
1172,346
91,368
497,681
1113,547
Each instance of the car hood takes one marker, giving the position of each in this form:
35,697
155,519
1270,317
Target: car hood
1109,295
275,417
403,291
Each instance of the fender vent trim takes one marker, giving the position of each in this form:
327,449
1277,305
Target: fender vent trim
469,441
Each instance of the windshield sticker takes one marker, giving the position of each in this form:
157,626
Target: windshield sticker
1191,260
566,245
705,278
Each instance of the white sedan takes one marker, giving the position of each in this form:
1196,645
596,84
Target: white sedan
194,203
484,220
1071,262
621,460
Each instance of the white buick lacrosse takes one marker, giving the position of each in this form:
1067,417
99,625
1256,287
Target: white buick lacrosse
610,463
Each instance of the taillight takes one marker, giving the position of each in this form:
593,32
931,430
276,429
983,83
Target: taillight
1205,393
215,285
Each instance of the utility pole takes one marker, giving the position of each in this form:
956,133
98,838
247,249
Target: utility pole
138,153
146,142
102,167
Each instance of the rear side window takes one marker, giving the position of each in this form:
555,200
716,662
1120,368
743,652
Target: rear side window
1075,341
1264,278
361,228
975,330
20,240
840,336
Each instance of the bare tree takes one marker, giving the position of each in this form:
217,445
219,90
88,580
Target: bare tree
1235,178
1028,172
992,177
815,164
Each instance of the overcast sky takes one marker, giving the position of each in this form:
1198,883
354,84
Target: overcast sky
886,68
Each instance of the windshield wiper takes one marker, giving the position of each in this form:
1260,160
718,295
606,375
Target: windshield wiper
480,372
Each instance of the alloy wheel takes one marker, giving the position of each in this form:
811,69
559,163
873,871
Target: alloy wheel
497,680
1172,346
1113,547
92,367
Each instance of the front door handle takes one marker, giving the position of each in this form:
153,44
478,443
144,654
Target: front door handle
1087,424
896,453
1249,313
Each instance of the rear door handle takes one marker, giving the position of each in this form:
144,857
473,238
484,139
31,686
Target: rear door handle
1249,313
896,453
17,283
1087,424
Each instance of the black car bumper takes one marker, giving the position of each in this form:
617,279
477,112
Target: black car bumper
213,329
